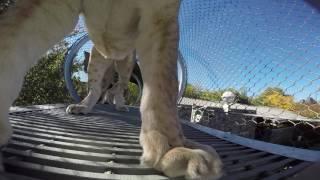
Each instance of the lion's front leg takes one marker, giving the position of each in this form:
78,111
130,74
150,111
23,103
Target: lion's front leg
164,146
157,49
97,69
124,69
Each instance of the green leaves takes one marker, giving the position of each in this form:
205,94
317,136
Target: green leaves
44,83
197,92
270,97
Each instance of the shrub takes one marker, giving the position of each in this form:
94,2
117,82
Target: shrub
192,91
275,97
308,110
44,83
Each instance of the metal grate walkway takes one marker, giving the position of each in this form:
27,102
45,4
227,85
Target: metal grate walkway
48,144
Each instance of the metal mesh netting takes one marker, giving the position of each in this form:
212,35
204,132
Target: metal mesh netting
267,54
264,53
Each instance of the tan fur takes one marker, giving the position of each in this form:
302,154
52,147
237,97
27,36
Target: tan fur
100,76
116,27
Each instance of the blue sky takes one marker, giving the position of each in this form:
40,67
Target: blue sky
252,44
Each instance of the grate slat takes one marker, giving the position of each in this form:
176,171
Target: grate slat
48,144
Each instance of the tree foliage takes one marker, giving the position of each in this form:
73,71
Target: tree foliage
44,83
275,97
192,91
270,97
132,94
197,92
308,110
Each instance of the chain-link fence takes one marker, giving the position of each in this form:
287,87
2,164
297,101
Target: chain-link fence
264,53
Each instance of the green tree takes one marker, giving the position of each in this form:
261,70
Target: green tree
210,95
44,83
198,92
192,91
275,97
132,94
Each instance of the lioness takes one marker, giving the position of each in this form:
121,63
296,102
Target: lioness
116,27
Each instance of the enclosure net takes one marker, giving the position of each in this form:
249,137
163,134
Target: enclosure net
263,56
267,54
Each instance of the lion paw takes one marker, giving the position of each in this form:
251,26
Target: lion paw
194,161
191,163
77,109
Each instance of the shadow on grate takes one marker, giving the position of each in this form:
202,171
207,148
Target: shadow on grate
48,144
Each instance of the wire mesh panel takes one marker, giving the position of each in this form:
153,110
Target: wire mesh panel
266,53
253,67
